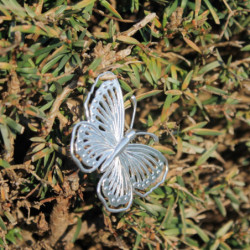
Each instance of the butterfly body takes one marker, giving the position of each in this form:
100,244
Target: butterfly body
100,142
120,147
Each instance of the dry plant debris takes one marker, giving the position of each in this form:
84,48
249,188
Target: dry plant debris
187,62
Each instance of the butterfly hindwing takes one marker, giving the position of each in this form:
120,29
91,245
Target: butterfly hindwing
146,166
89,147
114,188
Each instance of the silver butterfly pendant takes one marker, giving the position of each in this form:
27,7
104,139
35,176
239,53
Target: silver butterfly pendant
100,142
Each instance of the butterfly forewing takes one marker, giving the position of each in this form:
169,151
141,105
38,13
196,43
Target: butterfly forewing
107,110
89,147
146,166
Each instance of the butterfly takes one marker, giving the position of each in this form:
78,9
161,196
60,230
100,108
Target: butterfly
101,143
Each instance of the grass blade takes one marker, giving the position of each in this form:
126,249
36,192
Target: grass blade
206,155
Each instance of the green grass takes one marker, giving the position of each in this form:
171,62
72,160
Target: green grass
187,62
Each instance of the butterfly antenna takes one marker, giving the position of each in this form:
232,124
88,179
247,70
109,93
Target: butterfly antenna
134,102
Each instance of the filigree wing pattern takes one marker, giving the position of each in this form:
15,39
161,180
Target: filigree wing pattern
107,110
100,141
146,166
89,147
114,188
